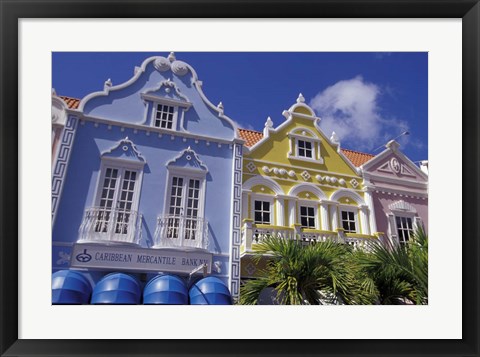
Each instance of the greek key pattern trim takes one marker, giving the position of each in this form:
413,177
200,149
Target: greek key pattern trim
61,163
237,208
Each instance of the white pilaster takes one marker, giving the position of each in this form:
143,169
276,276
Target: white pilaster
280,211
369,202
334,215
292,205
364,219
324,216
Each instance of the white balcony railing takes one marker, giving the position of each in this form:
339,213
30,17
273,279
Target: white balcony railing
255,233
110,225
181,232
260,231
315,236
359,242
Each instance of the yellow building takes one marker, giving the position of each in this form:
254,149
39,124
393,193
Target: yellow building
299,184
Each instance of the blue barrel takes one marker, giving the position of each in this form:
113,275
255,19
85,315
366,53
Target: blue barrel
70,287
165,290
117,288
210,291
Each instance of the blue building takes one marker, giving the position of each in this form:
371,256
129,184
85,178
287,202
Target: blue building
146,181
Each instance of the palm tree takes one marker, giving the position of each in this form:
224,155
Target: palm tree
398,274
312,274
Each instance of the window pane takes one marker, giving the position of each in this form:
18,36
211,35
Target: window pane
266,217
308,145
304,221
303,211
258,217
311,222
266,206
258,205
344,215
311,211
409,223
352,227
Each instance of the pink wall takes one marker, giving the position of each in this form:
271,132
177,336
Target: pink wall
381,201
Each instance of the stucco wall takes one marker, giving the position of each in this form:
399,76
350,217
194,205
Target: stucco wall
383,200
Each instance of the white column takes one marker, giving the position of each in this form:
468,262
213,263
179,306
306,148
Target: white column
324,216
292,206
364,219
280,211
334,215
369,202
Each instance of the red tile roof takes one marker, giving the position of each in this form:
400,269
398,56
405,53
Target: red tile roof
72,103
356,157
251,137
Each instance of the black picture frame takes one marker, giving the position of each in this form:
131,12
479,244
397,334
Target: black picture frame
12,11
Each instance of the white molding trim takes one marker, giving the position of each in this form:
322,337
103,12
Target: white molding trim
171,163
402,206
345,192
400,193
396,180
152,129
389,150
358,177
306,186
166,62
263,180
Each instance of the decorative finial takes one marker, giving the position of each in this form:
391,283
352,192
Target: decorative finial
220,108
171,57
268,127
334,138
135,70
300,98
107,84
393,145
269,123
54,93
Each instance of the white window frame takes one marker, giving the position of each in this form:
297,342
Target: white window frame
392,222
121,166
407,216
293,153
174,116
264,198
313,205
354,210
176,104
186,174
312,149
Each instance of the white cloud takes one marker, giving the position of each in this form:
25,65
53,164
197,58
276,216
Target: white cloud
350,108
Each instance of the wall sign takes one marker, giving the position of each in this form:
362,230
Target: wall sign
138,259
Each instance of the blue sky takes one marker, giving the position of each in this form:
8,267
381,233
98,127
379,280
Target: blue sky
366,98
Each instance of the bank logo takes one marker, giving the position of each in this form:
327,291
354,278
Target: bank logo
83,257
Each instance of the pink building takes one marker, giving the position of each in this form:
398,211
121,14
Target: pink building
396,193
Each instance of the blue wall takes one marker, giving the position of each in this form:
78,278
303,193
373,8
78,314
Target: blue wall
122,106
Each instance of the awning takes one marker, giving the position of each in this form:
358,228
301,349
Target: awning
165,290
210,291
117,288
70,287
